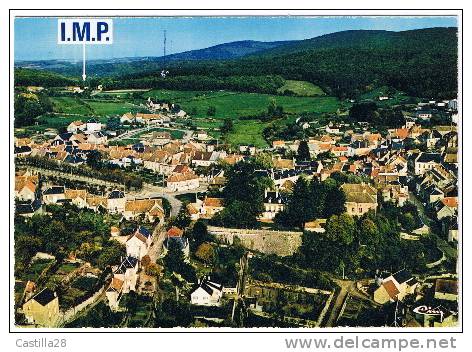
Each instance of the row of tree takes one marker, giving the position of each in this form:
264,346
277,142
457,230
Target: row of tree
310,200
244,195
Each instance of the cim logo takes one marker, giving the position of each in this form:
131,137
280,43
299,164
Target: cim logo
85,31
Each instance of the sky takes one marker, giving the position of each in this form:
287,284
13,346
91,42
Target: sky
36,38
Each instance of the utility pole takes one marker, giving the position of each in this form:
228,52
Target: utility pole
165,41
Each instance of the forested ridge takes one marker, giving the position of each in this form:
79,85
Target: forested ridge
421,63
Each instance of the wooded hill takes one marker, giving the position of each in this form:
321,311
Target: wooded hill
422,63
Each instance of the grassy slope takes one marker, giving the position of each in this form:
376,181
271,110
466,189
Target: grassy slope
235,105
301,88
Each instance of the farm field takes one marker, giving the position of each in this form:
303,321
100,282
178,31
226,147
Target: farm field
109,108
302,89
394,99
77,106
70,105
248,132
235,105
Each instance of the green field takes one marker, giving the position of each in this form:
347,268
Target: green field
77,106
248,132
58,121
70,105
101,108
395,97
235,105
301,89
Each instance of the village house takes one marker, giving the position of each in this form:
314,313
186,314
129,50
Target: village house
25,187
54,194
274,203
127,271
97,203
207,293
396,193
202,135
114,293
182,182
127,118
359,148
76,126
426,161
159,138
174,234
205,209
360,198
78,197
93,125
278,144
340,151
317,226
158,162
150,209
446,207
210,207
61,138
138,243
207,158
97,138
116,202
395,287
42,309
149,119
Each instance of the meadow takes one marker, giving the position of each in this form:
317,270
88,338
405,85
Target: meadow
91,107
301,89
234,105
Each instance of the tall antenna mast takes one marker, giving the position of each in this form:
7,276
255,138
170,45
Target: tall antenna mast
165,41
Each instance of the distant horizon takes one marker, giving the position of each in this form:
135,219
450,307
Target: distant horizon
35,37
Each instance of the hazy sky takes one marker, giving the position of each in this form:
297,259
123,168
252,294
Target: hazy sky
36,38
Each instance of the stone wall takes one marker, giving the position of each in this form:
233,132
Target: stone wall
282,243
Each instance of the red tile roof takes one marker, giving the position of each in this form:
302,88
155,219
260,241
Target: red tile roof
391,289
450,202
175,232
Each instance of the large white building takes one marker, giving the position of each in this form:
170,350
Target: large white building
208,293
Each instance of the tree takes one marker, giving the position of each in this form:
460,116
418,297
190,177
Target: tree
341,228
244,196
113,123
263,160
211,111
154,270
274,110
199,232
94,159
300,207
335,200
303,152
174,259
182,220
205,253
227,126
145,261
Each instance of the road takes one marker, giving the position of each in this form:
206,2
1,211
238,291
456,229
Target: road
148,190
443,245
159,235
241,284
132,133
346,287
